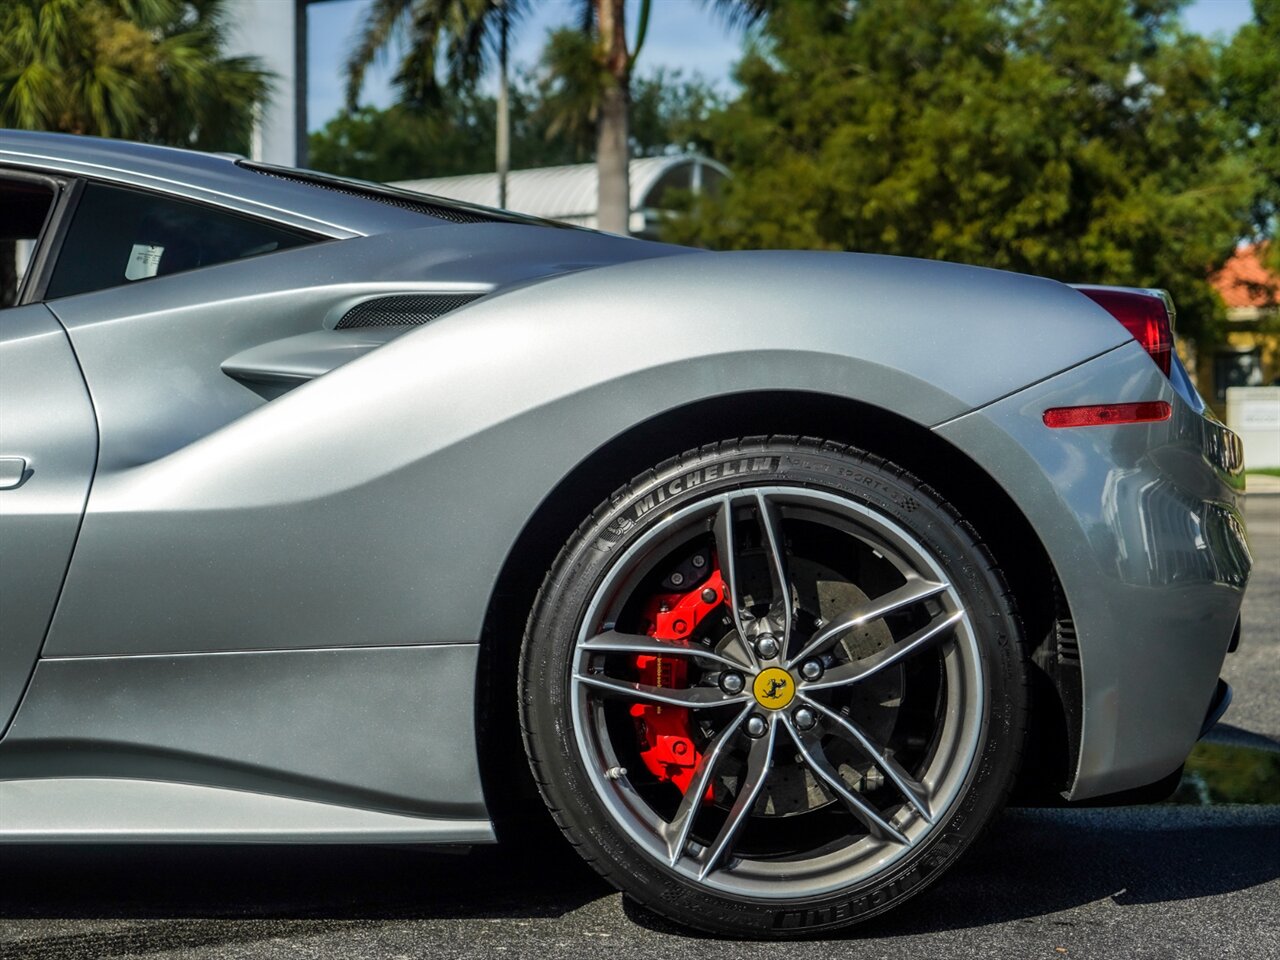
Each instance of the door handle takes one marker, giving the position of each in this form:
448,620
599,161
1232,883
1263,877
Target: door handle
13,472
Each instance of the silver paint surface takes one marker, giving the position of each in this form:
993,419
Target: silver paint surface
373,506
100,810
46,421
385,729
281,590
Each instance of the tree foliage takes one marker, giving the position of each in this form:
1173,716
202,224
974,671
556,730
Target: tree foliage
455,135
1251,75
150,70
457,39
1079,139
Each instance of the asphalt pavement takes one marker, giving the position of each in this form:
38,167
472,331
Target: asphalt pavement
1137,882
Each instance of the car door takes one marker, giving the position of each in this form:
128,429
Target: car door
48,436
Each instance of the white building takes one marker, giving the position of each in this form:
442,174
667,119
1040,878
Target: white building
569,193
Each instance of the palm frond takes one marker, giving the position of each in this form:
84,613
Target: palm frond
141,69
386,19
741,13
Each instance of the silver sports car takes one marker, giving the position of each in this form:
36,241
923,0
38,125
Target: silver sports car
331,512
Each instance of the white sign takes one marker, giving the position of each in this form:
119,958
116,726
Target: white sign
144,261
1260,414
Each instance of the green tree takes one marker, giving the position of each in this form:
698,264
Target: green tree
468,32
405,143
666,110
150,70
1078,139
1251,72
670,111
456,135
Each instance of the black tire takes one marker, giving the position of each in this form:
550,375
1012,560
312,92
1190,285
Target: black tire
547,717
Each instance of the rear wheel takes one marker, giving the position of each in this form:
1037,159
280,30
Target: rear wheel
772,687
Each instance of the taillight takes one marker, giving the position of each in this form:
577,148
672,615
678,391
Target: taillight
1145,314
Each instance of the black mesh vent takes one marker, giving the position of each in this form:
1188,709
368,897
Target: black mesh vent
415,308
439,211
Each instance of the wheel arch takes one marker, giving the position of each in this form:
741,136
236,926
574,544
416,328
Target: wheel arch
1050,759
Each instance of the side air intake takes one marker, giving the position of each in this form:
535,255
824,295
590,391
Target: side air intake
402,310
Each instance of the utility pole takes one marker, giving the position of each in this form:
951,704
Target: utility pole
504,110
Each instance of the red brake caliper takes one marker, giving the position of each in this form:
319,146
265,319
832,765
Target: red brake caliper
666,744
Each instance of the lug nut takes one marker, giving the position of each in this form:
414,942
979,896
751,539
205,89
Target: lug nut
804,718
677,578
708,595
811,669
767,646
699,561
732,683
756,727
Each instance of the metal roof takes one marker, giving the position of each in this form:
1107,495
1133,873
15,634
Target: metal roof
570,193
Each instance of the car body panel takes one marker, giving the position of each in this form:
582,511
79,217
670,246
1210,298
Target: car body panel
279,586
47,422
387,729
103,810
1145,532
378,460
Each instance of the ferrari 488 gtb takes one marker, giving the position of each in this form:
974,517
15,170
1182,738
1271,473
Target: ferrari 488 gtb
331,512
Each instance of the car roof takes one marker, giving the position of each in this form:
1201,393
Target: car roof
218,179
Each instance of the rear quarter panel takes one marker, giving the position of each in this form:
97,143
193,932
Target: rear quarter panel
1142,524
376,505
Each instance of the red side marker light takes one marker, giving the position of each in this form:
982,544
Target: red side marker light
1106,414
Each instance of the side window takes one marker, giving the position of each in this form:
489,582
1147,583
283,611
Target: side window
119,236
26,206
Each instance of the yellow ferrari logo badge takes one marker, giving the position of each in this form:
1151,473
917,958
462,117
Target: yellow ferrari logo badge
774,688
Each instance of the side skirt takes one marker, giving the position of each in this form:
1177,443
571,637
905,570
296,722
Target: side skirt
386,729
102,810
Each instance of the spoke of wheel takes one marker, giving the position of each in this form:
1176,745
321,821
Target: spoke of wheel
811,749
759,761
771,522
694,698
857,670
613,642
910,788
913,591
676,831
726,552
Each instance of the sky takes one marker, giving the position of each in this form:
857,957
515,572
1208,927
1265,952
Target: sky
683,35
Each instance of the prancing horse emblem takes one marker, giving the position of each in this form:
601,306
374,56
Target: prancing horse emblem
774,688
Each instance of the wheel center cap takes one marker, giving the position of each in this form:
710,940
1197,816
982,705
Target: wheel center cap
774,688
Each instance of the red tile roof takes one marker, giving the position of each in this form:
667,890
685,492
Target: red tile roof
1245,282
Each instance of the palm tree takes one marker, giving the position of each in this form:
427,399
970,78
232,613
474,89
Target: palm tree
468,32
472,32
150,70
